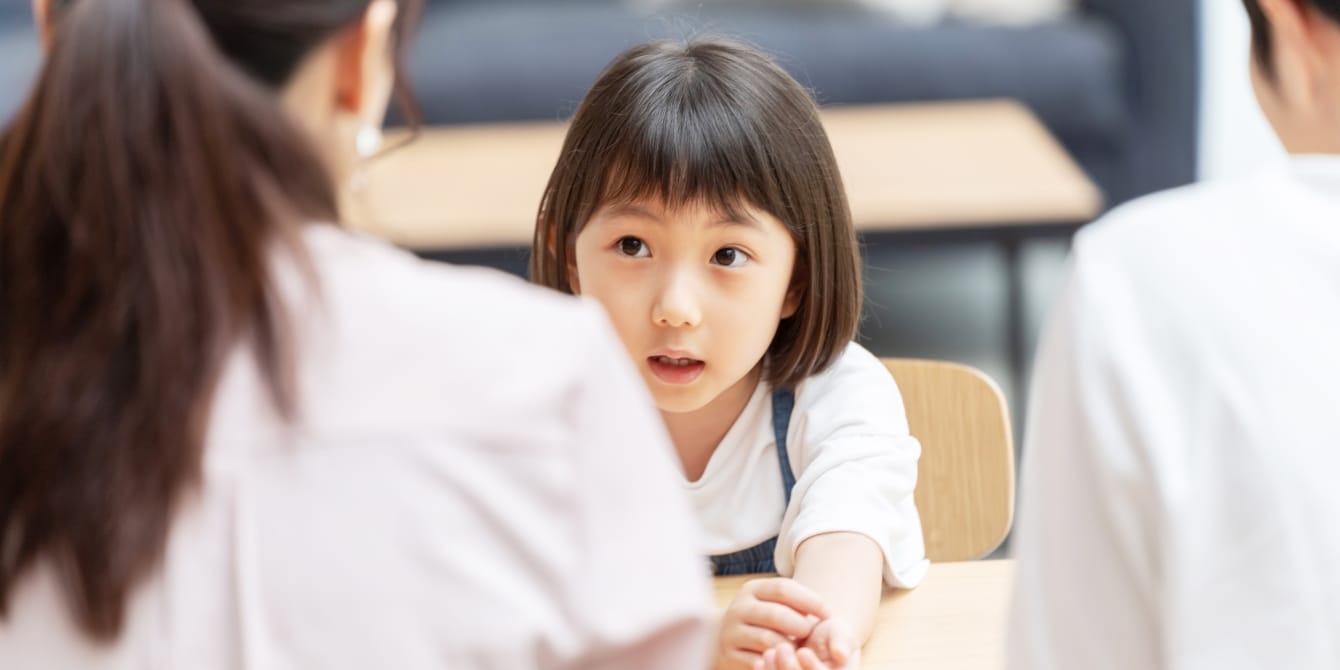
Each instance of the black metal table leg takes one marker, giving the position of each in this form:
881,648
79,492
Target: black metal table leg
1016,325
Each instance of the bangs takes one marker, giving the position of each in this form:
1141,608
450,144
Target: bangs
705,123
692,155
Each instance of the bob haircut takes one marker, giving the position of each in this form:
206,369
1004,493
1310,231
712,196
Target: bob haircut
715,122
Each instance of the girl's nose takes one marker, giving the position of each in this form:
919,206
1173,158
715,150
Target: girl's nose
677,302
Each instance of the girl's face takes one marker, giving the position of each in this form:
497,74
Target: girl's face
695,295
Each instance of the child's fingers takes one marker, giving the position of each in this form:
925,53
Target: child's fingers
770,659
820,644
809,660
838,648
793,594
778,618
754,638
786,658
737,659
833,643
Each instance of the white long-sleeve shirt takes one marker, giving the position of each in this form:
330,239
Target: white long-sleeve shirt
1180,508
476,479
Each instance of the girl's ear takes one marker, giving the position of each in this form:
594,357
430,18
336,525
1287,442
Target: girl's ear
573,284
794,295
569,262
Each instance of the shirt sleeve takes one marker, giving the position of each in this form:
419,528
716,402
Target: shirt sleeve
1084,542
642,595
856,467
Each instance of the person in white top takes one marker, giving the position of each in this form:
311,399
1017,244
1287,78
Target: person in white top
698,200
233,435
1178,502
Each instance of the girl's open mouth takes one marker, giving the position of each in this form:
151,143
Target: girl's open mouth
675,370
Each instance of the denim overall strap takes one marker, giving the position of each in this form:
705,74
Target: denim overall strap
783,401
759,558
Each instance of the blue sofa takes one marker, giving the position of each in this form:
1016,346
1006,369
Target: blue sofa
19,54
1116,82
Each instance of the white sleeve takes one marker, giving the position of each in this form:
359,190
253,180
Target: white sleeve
642,596
855,465
1086,533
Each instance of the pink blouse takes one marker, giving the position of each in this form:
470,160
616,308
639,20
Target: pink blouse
477,479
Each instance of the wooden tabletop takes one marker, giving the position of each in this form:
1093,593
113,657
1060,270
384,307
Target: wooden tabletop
906,167
955,620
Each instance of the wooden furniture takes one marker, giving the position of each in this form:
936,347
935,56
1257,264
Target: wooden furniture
910,167
956,619
955,165
965,479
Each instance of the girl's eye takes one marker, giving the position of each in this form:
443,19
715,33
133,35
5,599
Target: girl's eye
730,257
632,247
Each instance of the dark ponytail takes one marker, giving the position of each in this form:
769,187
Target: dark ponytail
143,188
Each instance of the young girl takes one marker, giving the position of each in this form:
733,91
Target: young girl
697,199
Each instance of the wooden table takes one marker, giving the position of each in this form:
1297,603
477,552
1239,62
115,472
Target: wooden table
912,167
930,171
955,620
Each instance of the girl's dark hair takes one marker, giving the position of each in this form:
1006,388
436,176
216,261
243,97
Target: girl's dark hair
1263,43
143,187
717,122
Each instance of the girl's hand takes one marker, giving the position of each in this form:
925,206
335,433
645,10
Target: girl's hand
830,647
766,613
785,657
834,643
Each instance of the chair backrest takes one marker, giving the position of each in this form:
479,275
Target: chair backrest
965,481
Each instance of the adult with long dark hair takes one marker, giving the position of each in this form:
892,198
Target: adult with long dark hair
233,435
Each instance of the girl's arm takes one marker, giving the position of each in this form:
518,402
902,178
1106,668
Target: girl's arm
846,570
